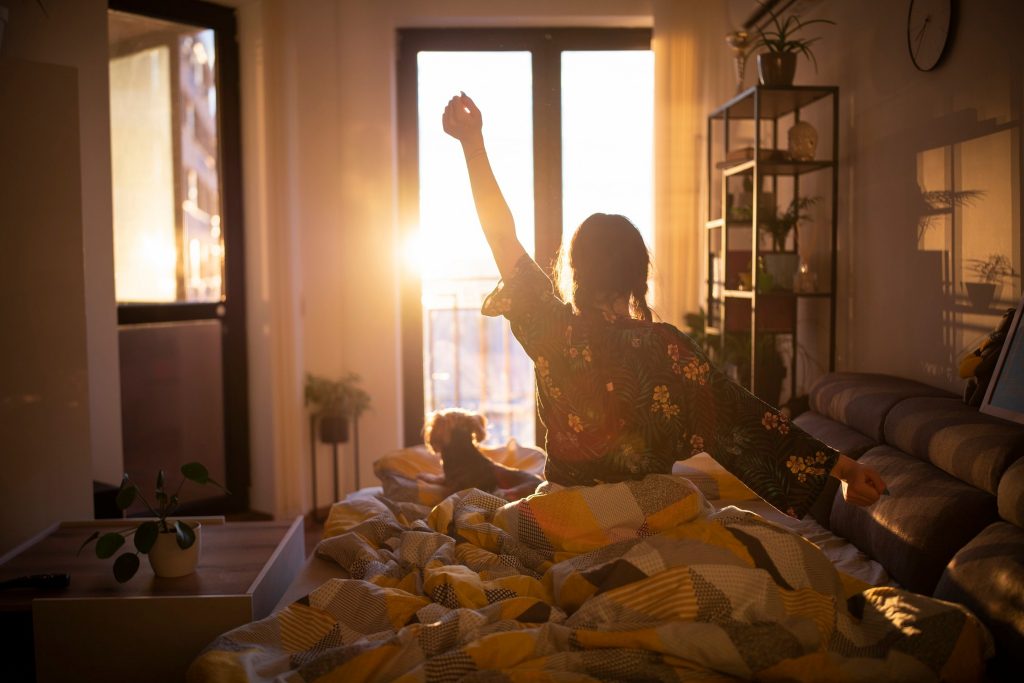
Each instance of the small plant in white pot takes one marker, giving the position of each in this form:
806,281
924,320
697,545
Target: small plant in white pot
171,545
776,66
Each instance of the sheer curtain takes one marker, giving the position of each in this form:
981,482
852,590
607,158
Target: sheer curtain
693,73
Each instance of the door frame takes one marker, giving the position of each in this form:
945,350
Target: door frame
545,46
231,311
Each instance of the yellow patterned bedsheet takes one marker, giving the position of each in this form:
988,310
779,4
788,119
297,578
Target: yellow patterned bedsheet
640,580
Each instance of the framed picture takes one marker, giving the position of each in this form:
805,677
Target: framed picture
1005,394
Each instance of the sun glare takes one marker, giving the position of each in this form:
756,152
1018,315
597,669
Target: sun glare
451,242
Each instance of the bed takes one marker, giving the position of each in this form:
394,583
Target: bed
672,577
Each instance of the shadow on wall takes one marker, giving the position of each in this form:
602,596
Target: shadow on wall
967,244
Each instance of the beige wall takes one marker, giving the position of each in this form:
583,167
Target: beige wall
44,386
75,34
902,308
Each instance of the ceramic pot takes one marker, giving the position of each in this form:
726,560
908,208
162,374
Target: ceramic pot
169,560
776,68
333,429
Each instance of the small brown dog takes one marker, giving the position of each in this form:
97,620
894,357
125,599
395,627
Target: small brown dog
454,434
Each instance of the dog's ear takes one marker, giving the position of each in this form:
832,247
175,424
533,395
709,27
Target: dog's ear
479,427
435,432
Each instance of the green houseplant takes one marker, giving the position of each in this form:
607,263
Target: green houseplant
779,225
990,271
779,37
333,402
779,264
155,538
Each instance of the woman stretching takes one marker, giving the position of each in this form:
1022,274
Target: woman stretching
622,396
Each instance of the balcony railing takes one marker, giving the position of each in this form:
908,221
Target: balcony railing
472,361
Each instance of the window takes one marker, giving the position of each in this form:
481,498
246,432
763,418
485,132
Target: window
168,244
569,123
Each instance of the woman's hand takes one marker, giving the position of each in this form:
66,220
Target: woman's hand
462,120
862,485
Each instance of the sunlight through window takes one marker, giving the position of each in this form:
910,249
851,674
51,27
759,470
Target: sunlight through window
471,361
608,137
607,115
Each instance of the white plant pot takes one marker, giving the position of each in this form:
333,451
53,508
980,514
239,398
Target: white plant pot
169,560
782,266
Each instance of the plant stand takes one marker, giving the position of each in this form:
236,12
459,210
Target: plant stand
334,456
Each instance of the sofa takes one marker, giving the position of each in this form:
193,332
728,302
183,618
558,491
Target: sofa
953,524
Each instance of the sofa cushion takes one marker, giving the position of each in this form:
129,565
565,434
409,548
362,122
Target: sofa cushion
987,576
861,400
843,439
915,531
1011,494
973,447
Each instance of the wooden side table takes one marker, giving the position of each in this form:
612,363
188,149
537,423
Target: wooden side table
148,628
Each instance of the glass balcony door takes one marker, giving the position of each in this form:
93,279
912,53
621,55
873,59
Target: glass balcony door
178,241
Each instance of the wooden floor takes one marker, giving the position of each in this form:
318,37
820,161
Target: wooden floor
314,529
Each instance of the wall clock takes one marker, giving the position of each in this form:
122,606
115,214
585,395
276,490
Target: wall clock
929,29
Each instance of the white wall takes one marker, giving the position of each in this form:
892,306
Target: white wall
44,392
75,34
902,310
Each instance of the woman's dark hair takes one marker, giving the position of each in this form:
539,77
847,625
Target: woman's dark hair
606,259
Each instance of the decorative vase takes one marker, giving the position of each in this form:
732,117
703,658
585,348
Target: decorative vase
169,560
803,141
981,294
333,429
776,68
739,41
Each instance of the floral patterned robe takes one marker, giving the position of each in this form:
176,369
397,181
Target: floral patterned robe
622,398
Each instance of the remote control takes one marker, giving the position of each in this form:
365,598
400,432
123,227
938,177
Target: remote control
43,581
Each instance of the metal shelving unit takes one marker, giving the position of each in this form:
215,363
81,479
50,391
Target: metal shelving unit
796,326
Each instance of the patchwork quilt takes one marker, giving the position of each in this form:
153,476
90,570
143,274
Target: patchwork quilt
640,580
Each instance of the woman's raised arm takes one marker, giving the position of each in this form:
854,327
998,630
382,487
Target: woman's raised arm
462,120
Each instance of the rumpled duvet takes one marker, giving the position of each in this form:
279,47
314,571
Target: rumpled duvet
640,580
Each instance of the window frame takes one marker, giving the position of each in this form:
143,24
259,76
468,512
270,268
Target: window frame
545,46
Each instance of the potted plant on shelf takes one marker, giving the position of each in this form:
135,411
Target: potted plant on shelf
171,545
776,66
991,272
334,402
779,264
